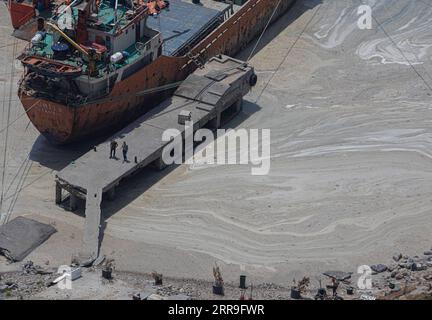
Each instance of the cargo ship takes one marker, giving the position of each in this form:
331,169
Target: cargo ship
92,66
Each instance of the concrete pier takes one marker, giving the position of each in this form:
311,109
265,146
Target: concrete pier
206,94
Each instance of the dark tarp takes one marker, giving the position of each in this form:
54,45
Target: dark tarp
21,236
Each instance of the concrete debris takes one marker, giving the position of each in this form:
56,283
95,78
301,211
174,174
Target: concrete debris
30,268
18,284
142,295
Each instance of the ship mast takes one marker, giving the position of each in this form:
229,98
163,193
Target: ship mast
115,14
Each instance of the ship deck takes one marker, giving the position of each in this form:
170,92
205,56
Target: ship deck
184,21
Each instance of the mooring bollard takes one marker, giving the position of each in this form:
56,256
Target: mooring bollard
295,293
107,273
243,282
219,290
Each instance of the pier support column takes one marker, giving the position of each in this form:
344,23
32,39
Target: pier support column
58,193
215,123
238,105
73,202
160,164
111,194
92,227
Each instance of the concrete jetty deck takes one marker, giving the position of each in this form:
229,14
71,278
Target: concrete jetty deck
206,94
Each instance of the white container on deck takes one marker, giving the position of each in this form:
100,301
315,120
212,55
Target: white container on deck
116,57
37,38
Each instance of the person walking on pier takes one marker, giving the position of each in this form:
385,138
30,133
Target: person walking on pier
125,149
113,147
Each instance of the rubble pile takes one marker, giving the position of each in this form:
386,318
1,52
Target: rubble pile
403,277
30,280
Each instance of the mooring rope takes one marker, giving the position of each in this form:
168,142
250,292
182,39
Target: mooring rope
264,31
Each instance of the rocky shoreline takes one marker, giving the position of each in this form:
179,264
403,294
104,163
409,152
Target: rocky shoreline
403,278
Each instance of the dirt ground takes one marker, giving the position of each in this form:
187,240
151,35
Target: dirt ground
350,118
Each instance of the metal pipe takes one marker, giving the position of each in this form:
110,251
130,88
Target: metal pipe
61,12
64,35
115,13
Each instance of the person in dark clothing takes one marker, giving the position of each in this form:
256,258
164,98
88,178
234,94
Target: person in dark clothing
125,149
113,147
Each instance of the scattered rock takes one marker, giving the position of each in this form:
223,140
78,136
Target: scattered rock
397,257
29,268
391,268
418,267
400,276
142,295
407,265
378,268
395,288
428,253
427,277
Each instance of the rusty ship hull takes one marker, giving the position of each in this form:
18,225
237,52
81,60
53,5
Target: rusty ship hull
61,123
